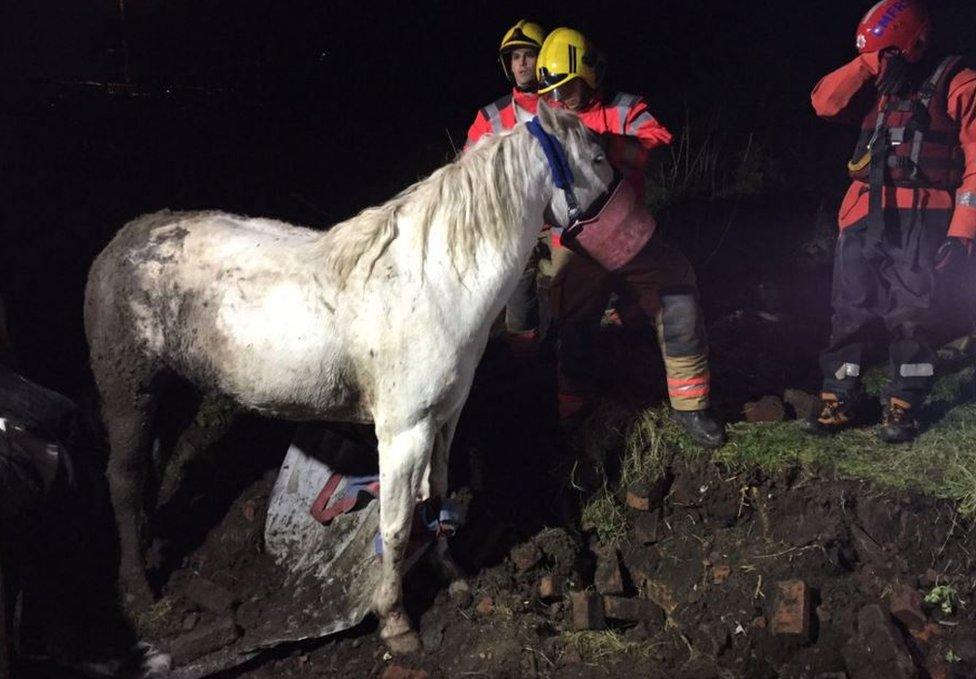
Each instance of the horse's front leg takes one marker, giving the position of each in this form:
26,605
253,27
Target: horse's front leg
403,458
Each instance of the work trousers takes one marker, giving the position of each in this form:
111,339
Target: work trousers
888,289
662,283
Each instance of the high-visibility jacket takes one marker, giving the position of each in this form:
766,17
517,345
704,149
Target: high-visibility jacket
836,97
503,114
626,114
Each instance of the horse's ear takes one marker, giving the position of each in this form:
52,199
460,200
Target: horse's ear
547,116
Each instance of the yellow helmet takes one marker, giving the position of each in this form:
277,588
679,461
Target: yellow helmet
567,54
521,35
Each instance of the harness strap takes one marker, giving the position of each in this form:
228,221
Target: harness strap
927,92
562,175
877,148
324,512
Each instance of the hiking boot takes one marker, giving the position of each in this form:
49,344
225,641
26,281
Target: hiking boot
835,414
898,425
702,426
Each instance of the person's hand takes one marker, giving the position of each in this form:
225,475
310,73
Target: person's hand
894,72
951,253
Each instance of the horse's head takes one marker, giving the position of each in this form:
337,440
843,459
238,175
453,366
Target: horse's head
590,172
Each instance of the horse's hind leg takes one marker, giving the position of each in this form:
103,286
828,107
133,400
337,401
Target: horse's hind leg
404,456
128,409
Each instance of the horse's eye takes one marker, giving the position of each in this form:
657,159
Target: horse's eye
599,159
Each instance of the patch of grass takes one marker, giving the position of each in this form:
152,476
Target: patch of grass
604,513
598,647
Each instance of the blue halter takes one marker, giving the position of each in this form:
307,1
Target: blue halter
562,175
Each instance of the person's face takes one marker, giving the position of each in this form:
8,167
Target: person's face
574,95
523,66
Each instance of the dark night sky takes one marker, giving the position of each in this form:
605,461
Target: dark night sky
311,110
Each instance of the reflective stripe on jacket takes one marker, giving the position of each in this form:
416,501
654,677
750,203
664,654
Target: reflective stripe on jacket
502,114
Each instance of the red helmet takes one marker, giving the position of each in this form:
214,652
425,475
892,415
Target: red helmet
904,24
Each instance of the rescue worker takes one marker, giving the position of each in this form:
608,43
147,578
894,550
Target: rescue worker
658,277
517,53
908,221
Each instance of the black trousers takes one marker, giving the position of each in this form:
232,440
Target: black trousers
888,290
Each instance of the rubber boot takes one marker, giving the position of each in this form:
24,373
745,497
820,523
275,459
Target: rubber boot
702,426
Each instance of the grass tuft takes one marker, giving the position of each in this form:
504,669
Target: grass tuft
598,647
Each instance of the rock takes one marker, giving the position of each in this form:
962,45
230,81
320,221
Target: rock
209,595
587,611
397,672
552,587
877,650
792,612
460,593
190,621
204,639
486,606
249,510
927,633
632,610
526,556
804,405
721,573
646,527
608,578
906,606
766,409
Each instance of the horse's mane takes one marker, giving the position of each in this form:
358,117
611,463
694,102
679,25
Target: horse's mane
476,196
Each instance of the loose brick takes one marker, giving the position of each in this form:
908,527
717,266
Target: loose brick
204,639
791,616
551,587
209,595
587,611
721,573
608,578
878,649
906,606
638,497
632,610
647,527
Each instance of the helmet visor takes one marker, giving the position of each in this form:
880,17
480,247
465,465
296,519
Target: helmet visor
549,81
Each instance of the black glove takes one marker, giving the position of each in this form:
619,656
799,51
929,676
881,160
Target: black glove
951,253
895,73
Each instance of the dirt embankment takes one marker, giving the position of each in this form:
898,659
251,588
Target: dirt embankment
720,574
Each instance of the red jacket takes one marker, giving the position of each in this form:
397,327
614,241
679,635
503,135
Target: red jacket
834,97
502,115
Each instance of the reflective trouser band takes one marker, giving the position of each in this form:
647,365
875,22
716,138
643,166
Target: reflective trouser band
916,370
696,387
848,370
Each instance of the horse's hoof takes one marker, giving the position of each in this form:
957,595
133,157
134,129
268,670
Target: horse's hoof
403,643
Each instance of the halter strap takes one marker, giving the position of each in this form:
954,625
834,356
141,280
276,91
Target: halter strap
562,175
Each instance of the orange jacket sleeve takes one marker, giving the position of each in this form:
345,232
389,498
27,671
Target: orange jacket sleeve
479,128
962,109
643,128
836,94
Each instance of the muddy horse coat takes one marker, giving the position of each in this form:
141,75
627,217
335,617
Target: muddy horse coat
382,319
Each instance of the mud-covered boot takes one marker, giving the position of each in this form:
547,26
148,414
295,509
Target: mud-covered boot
702,426
835,414
898,424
